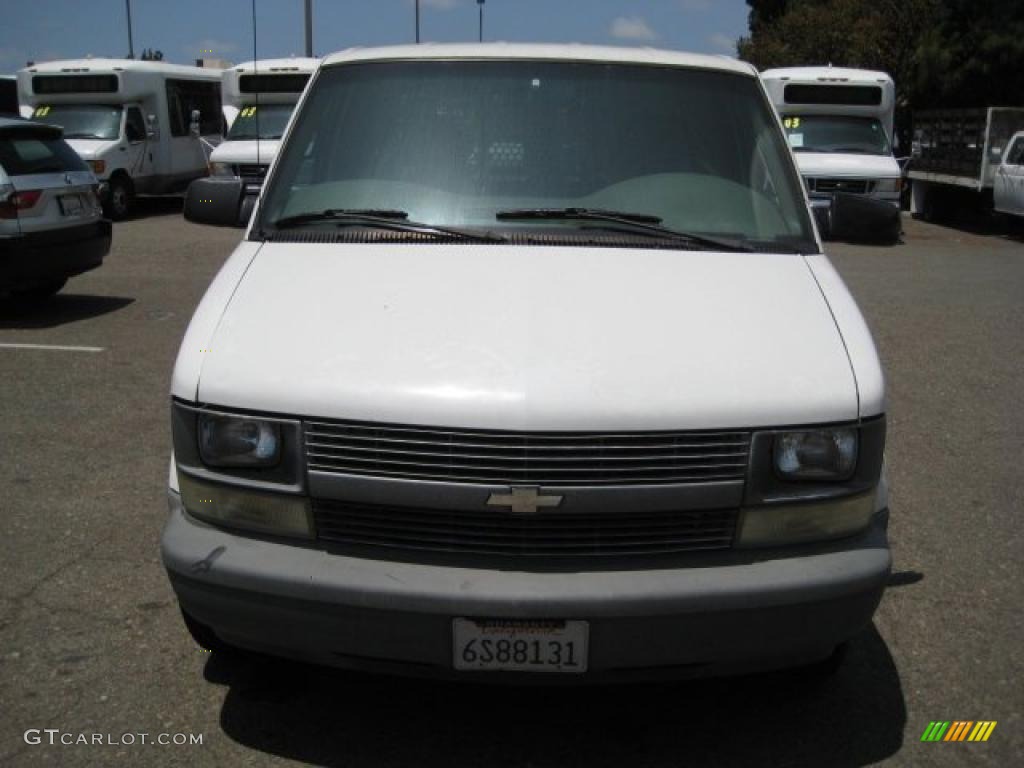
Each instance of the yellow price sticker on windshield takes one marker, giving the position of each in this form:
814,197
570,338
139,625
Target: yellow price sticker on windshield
791,122
41,112
248,111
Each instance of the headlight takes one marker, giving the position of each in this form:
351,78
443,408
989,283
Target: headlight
98,166
236,441
221,169
888,186
820,454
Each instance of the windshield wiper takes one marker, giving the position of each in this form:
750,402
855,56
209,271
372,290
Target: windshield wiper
382,218
624,221
83,136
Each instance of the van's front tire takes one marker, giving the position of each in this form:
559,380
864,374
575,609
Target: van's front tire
822,671
206,639
40,291
120,196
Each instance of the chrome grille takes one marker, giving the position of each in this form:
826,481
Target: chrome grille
549,459
546,533
828,186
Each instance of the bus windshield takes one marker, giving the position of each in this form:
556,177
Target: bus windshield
836,133
83,121
266,121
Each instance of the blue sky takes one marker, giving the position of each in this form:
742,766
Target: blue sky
55,29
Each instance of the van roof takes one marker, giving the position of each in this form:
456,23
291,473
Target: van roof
302,64
20,123
546,52
106,66
814,73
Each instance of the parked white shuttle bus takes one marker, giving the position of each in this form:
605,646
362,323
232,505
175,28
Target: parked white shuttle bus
259,98
131,121
840,126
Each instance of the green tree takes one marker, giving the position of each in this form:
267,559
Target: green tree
972,55
940,52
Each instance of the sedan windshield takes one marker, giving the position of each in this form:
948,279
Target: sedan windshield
265,121
827,133
82,121
475,143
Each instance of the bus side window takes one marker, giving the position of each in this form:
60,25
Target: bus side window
184,96
134,126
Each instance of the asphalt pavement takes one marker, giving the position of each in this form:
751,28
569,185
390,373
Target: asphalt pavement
91,642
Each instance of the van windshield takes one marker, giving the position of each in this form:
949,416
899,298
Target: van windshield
82,121
828,133
456,143
266,121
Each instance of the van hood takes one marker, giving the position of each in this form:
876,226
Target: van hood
246,151
529,338
91,149
833,164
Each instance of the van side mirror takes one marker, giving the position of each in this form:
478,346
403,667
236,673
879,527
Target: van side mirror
861,219
216,201
193,126
151,127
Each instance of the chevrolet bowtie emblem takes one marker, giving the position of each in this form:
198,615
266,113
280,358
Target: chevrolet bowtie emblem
523,499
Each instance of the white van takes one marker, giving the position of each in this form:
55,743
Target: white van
840,125
530,364
259,97
131,121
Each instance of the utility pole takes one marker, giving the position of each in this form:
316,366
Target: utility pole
480,7
417,21
309,28
131,47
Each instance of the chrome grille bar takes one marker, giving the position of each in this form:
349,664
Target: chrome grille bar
544,458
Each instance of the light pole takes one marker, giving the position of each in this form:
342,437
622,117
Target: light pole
417,21
309,28
480,7
131,48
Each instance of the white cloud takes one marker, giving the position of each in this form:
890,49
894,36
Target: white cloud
723,42
632,28
695,5
210,48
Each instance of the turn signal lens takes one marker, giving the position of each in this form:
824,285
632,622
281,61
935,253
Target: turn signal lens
237,507
813,521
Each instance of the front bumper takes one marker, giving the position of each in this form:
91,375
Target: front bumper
825,201
56,254
730,612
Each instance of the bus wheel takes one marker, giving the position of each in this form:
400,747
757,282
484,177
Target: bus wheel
119,198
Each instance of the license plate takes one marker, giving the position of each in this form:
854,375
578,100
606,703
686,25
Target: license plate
70,205
520,645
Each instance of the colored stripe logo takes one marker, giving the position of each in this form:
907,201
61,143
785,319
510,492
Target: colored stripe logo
958,730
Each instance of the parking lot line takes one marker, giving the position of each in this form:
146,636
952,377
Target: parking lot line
51,347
